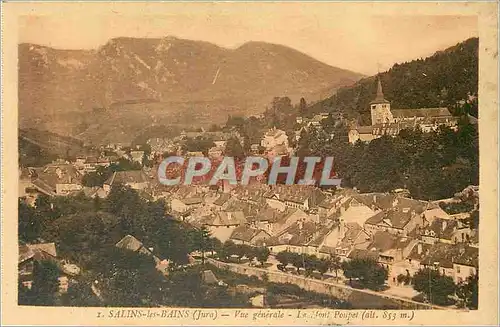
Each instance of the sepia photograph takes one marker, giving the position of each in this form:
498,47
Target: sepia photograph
228,163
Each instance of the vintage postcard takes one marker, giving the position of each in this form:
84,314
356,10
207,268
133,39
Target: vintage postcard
230,163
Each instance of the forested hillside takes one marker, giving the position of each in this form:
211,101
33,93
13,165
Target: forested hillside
448,78
431,166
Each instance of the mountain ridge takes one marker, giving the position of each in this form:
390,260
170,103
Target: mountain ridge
213,80
447,78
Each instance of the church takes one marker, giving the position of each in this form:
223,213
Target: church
387,121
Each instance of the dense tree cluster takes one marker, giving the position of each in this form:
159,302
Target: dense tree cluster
309,263
85,232
468,290
81,227
432,165
435,286
198,144
231,250
98,177
32,155
44,286
366,272
443,80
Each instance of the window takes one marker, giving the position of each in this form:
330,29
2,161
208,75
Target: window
458,269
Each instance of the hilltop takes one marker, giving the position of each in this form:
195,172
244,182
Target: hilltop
137,82
446,78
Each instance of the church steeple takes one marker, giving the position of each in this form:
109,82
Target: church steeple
379,98
380,108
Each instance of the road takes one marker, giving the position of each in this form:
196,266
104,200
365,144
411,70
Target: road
394,291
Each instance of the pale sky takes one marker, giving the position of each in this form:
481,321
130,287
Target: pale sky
348,39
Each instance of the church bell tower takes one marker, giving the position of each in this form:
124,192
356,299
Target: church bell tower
380,108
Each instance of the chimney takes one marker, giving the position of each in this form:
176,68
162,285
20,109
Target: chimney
395,202
419,248
374,198
59,172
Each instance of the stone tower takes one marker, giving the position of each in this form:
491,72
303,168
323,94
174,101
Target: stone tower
380,108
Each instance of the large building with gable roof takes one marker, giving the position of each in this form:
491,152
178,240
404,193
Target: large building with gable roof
387,121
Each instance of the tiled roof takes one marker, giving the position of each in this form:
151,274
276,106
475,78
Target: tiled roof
51,175
327,249
468,256
208,277
296,193
129,243
397,219
25,253
363,254
222,199
423,112
320,237
352,232
192,201
425,250
49,248
41,251
244,233
442,228
130,176
364,129
379,200
231,218
270,214
445,254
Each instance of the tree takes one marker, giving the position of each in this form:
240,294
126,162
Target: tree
129,207
45,286
242,250
467,291
200,239
251,253
228,249
173,241
199,143
81,237
234,148
473,220
297,260
323,265
262,254
335,265
284,257
128,278
436,287
98,177
80,294
30,223
43,205
302,107
24,295
367,271
214,245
